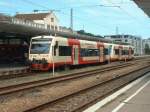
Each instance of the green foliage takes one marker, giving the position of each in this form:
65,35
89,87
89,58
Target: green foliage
82,32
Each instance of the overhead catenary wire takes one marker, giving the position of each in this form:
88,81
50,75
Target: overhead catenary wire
87,6
83,19
75,7
126,12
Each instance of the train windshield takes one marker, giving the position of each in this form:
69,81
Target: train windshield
40,46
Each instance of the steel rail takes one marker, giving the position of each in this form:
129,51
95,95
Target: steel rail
53,102
39,83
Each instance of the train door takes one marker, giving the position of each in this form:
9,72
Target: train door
75,54
102,54
130,55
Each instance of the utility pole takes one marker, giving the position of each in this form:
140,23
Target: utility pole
71,19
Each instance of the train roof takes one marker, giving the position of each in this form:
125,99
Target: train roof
96,40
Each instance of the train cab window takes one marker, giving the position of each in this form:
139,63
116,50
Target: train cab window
116,51
65,50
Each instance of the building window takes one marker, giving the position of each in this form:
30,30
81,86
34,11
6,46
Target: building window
48,26
52,27
56,28
126,40
65,50
52,19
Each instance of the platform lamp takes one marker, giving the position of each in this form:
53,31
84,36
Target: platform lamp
53,61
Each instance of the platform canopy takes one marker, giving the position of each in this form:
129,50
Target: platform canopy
11,26
144,5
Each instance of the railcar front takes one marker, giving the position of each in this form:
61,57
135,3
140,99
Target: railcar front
40,52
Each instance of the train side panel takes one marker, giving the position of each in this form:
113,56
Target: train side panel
68,51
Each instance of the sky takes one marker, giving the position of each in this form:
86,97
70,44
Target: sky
100,17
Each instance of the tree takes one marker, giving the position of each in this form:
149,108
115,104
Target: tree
147,49
82,32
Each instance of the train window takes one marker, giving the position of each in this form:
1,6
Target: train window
93,52
132,51
14,41
1,41
116,51
125,52
96,52
83,52
42,40
105,51
89,52
65,50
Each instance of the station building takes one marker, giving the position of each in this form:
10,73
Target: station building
49,19
146,42
129,39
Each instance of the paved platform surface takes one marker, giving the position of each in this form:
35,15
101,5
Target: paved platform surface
136,99
13,70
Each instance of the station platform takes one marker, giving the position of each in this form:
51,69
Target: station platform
7,70
135,97
142,56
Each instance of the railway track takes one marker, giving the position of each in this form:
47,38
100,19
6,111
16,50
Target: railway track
97,76
122,79
7,74
29,85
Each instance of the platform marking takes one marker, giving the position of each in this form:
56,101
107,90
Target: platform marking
129,98
114,95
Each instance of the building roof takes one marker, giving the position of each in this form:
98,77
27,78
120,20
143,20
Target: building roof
33,16
144,5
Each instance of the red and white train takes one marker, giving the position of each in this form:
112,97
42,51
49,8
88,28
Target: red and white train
48,51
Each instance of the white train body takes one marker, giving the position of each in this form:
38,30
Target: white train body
46,51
